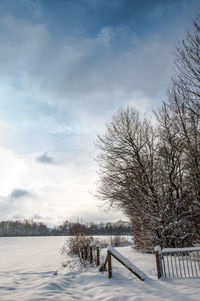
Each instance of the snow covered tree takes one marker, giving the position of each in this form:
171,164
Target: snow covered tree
128,173
183,111
178,226
153,174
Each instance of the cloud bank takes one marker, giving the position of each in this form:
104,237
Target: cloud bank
66,67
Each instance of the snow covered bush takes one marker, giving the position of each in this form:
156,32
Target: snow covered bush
73,248
73,245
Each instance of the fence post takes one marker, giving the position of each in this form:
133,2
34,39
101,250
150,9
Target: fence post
82,253
109,264
86,253
98,257
158,261
91,255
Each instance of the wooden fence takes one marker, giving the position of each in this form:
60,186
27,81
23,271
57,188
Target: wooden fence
178,262
92,255
111,252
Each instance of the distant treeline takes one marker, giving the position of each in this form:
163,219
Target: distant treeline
32,228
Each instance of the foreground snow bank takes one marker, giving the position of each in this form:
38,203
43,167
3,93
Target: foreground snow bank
27,273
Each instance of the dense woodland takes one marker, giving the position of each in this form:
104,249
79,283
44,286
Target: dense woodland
151,170
31,228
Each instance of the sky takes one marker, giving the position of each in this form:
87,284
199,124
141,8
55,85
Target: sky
65,68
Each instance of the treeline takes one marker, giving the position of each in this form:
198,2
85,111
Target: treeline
117,228
23,228
32,228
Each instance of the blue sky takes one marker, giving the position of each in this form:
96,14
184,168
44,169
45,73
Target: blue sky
66,67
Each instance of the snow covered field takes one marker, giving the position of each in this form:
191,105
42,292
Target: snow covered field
27,267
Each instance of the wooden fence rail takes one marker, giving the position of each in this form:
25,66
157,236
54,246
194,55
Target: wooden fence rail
111,252
178,262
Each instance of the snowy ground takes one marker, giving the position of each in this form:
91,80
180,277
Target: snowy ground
27,267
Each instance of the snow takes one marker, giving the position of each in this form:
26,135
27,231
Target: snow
27,273
171,250
158,249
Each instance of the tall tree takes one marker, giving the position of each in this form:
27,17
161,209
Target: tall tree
183,106
153,174
128,173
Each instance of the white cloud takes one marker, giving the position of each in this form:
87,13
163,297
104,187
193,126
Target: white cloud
12,168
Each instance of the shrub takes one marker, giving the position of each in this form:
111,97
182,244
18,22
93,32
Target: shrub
74,244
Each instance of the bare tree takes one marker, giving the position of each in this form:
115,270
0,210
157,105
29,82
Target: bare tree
187,81
178,227
143,172
153,174
183,105
128,173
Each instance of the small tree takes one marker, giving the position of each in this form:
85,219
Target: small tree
128,173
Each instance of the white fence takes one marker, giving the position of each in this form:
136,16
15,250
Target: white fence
178,262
